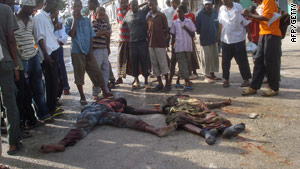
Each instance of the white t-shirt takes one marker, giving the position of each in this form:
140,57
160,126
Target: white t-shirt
233,24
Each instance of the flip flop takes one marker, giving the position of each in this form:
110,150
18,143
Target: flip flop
83,102
187,88
177,85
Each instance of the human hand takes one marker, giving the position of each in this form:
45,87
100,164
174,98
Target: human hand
108,51
90,56
48,59
16,74
245,12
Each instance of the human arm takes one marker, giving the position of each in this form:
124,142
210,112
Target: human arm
166,27
190,28
248,32
219,33
198,23
42,45
12,49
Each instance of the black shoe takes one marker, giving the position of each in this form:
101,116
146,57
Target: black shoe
233,131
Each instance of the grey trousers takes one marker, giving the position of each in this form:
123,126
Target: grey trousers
101,56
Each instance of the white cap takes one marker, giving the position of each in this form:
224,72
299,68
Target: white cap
207,2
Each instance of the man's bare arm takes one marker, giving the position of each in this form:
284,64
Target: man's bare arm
12,49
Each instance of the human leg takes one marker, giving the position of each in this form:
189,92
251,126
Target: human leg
209,135
79,65
134,59
101,57
33,75
122,60
227,55
272,54
51,79
60,53
8,95
240,56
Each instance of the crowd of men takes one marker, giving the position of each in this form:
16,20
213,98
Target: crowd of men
32,45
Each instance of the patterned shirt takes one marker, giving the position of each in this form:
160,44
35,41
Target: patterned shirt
183,41
25,39
124,35
100,42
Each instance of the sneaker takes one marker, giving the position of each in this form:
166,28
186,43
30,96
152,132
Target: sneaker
249,91
270,93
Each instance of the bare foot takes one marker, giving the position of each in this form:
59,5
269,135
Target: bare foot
166,130
52,148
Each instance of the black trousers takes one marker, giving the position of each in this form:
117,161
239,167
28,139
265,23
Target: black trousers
24,101
238,51
267,62
139,55
50,71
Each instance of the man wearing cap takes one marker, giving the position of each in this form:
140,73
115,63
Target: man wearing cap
30,59
207,28
9,70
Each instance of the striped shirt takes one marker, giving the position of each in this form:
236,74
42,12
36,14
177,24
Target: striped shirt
124,35
25,39
183,41
100,42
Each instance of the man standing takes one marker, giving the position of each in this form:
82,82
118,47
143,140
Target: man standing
232,33
268,53
30,59
82,33
137,24
124,38
207,28
9,70
62,38
47,45
158,32
169,12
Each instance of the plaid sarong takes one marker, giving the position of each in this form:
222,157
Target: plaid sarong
124,66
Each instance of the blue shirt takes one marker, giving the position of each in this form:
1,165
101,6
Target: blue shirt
207,27
84,33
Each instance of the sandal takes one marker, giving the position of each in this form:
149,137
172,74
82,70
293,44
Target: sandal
226,84
187,88
249,91
156,88
270,93
136,85
83,102
119,81
58,111
147,88
48,120
177,85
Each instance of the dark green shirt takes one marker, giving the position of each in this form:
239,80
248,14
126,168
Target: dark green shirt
8,23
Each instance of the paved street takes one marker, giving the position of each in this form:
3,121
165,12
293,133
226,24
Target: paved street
272,140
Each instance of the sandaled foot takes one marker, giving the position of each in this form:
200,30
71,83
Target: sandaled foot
119,81
245,83
209,80
233,131
155,89
226,84
270,93
167,88
187,88
136,85
249,91
178,86
52,148
83,102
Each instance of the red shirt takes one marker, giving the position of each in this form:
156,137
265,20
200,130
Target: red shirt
124,35
254,30
190,16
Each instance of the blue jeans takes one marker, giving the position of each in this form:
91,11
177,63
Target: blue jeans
33,76
60,53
